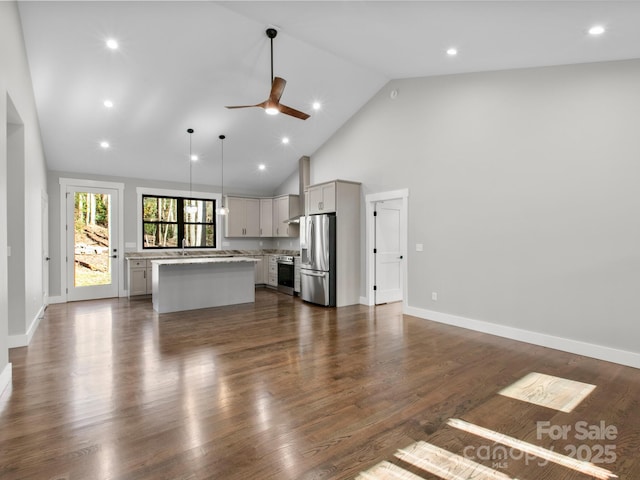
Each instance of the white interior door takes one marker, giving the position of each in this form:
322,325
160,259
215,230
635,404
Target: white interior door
92,242
45,249
388,252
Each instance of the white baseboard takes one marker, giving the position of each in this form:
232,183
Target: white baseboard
622,357
57,299
5,378
23,340
365,301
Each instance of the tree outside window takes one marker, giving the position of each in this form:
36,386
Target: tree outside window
166,221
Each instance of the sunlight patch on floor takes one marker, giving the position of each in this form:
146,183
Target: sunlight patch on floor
548,391
530,449
387,471
445,464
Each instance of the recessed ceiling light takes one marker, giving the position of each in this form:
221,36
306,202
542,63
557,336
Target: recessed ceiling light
108,103
316,105
596,30
452,52
285,140
194,158
262,166
112,44
104,144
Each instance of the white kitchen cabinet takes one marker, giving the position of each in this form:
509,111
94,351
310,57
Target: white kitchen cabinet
137,282
284,208
272,270
321,198
296,274
139,278
266,217
243,218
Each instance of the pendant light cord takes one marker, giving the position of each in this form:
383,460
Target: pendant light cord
190,167
222,137
222,169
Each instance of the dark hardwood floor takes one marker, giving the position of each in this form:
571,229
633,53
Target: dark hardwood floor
281,389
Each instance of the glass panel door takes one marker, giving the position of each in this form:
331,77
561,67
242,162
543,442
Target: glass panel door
92,254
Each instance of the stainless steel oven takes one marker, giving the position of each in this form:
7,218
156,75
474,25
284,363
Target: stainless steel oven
286,274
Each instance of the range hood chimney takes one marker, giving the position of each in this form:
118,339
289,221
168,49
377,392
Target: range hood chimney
304,171
304,174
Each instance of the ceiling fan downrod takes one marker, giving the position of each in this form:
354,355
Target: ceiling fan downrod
271,33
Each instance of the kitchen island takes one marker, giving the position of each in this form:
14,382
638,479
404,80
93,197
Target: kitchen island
191,283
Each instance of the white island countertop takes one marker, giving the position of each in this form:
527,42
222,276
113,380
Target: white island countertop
186,260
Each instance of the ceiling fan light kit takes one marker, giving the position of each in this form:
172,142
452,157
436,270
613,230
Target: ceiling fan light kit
272,105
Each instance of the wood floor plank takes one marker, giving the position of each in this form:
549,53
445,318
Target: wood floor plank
279,389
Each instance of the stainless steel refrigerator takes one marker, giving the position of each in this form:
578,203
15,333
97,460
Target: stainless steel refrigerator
318,259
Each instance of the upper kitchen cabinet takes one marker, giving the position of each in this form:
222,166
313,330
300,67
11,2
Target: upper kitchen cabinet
331,197
266,217
285,207
321,198
243,219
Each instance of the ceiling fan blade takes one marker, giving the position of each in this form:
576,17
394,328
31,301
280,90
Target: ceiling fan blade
293,112
263,104
277,87
247,106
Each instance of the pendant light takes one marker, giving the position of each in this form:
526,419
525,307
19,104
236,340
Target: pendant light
190,209
222,210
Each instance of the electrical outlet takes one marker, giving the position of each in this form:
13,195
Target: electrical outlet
418,247
434,296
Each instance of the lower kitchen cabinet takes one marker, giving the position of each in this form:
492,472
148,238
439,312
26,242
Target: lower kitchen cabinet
272,272
296,274
139,278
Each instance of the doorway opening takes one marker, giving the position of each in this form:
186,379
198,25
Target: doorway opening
386,247
91,216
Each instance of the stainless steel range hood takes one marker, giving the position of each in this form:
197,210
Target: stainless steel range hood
304,171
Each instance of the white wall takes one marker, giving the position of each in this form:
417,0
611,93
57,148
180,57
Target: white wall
17,105
16,234
291,185
523,191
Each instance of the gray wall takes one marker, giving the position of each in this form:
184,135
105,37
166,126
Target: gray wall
17,107
523,190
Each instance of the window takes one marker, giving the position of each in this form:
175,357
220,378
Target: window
168,221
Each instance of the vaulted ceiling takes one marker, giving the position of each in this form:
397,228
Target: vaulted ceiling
179,63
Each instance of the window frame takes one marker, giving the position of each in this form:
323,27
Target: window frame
181,196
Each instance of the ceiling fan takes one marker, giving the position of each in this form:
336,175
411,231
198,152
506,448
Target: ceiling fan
272,105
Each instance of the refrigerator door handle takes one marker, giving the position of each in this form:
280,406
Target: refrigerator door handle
311,243
312,274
